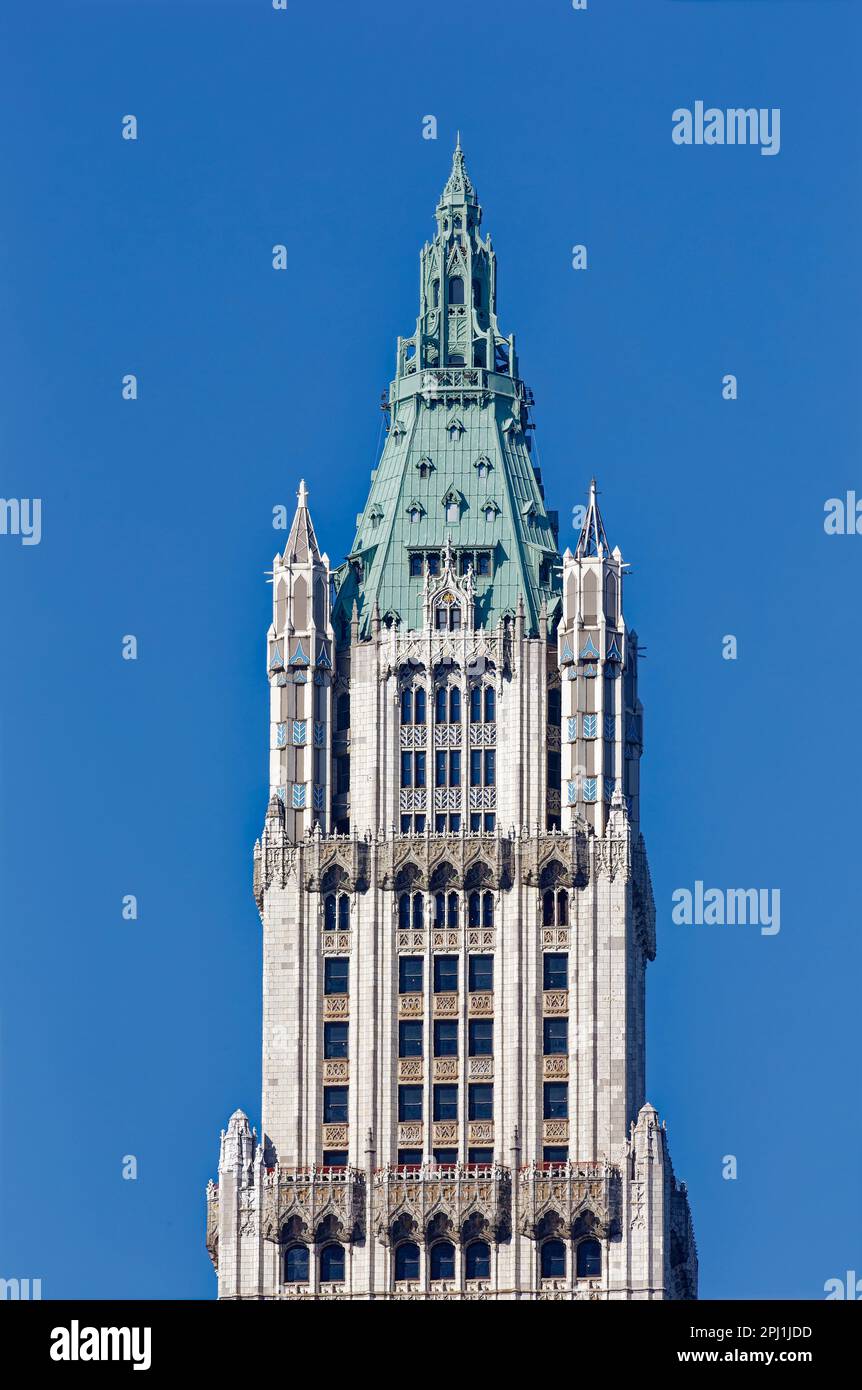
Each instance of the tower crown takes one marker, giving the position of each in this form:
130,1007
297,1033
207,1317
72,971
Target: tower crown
457,460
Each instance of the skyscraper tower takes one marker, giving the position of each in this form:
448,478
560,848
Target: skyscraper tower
456,904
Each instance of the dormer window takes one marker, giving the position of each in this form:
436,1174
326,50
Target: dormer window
424,467
483,467
490,510
447,614
452,503
375,516
415,512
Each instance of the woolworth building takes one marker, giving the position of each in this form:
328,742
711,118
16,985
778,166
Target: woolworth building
451,877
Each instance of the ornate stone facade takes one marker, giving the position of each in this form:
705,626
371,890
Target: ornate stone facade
453,886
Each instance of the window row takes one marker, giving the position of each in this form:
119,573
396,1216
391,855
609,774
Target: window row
411,972
444,1102
415,824
447,768
447,705
447,910
428,561
553,1261
411,969
480,1037
412,1158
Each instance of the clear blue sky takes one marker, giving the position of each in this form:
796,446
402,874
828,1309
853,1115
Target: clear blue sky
153,257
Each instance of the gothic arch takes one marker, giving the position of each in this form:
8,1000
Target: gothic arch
408,878
444,876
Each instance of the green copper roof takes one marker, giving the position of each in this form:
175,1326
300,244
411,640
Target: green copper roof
456,464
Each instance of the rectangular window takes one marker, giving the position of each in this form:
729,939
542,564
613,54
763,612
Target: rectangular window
445,1102
406,825
555,1153
336,971
419,824
335,1105
481,973
420,770
411,1158
465,561
556,1100
410,974
335,1039
440,769
476,768
446,1156
555,970
553,769
445,1037
475,820
410,1103
490,767
480,1100
490,822
407,769
483,562
445,974
555,1036
409,1038
335,1158
455,825
455,769
480,1032
440,824
433,564
416,565
480,1155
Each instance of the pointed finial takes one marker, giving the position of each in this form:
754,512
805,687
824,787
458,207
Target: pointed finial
457,141
302,495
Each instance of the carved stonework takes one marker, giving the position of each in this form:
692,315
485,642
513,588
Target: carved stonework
303,1199
459,1200
570,1199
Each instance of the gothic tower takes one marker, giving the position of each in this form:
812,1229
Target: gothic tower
456,904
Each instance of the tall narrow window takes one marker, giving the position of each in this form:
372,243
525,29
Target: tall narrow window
474,910
480,1101
481,974
480,1037
443,1260
343,912
553,1260
456,290
455,768
418,911
335,1039
420,769
445,1103
409,1103
407,1261
329,917
476,704
407,707
410,974
562,908
440,701
335,1105
409,1038
419,705
406,769
555,970
589,1260
556,1100
332,1264
478,1260
404,912
445,1040
296,1264
335,974
490,767
487,909
454,705
452,910
445,974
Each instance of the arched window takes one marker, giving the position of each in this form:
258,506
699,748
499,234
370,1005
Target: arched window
553,1260
456,290
548,908
473,910
404,912
329,912
487,909
418,911
589,1260
343,912
440,699
407,1261
476,704
455,705
296,1264
443,1260
419,705
562,908
439,909
407,707
478,1260
490,704
452,910
435,294
332,1264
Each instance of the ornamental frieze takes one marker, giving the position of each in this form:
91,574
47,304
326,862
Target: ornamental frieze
461,1201
304,1199
569,1199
